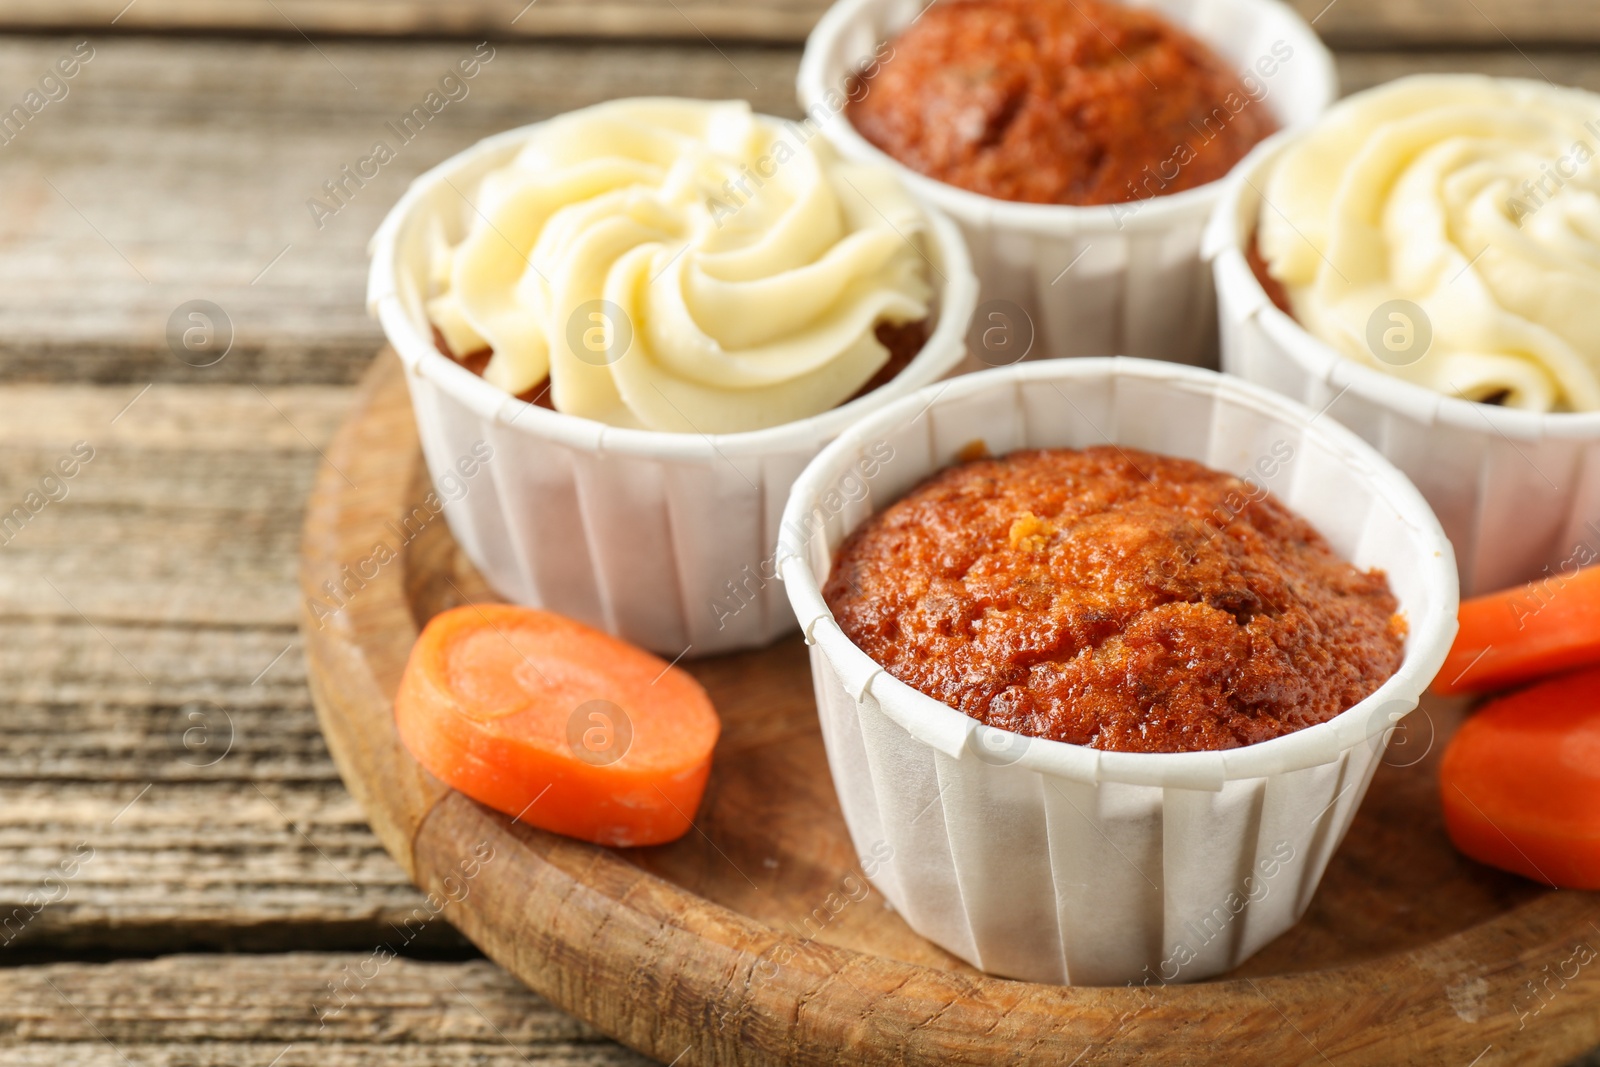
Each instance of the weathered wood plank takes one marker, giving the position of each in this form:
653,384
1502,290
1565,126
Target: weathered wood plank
149,661
181,169
1344,22
163,784
761,20
125,867
74,711
1452,23
184,510
1362,70
194,159
208,1011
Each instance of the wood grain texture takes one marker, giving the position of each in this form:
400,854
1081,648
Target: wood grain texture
755,20
1362,70
211,1011
148,657
1409,953
216,145
1342,22
177,170
1452,23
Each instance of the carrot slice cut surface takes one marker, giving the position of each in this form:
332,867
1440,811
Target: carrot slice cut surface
563,726
1524,633
1520,782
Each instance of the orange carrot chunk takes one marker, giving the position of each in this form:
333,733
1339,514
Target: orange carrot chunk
1524,633
558,724
1521,782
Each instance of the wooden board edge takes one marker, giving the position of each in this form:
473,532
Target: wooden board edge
335,609
646,962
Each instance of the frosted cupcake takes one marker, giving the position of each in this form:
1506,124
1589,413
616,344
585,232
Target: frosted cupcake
684,266
1476,199
1426,266
656,311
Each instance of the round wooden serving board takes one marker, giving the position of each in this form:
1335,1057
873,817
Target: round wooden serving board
754,940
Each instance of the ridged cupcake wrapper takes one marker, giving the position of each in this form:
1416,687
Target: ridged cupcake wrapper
1123,278
1518,493
660,538
1051,862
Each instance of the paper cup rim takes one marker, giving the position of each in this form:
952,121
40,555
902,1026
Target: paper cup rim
940,726
941,353
813,84
1227,234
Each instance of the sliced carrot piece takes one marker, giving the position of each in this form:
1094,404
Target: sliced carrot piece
1524,633
563,726
1521,782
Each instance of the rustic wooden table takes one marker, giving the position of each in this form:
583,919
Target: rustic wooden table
182,874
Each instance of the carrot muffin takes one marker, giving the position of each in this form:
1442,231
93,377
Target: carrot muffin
1058,102
1115,599
683,266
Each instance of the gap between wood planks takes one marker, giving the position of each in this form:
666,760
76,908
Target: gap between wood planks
291,1010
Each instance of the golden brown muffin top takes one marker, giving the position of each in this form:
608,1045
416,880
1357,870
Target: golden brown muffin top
1058,102
1116,599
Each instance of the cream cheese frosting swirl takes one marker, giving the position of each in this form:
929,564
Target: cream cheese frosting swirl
1475,198
681,265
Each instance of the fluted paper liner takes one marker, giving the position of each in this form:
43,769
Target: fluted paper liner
1122,278
664,539
1517,492
1051,862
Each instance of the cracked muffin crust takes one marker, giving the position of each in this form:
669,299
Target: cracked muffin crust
1115,599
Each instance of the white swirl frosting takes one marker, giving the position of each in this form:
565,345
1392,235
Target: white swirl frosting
682,265
1475,198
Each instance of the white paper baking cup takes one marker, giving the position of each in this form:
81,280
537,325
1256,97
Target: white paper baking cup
1518,492
1122,278
664,539
1052,862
